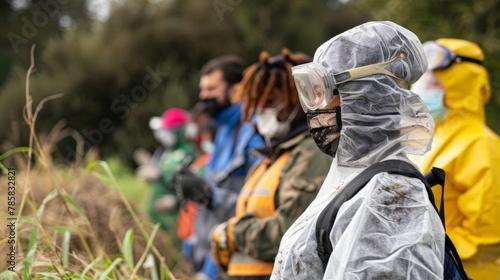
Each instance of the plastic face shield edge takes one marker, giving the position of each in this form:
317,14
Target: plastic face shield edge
316,85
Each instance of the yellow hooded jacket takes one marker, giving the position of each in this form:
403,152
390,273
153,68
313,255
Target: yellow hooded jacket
469,152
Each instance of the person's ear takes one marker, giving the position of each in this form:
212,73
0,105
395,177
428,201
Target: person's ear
233,94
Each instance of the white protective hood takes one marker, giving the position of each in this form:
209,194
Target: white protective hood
379,117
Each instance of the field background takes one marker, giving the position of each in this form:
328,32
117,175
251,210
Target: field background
79,80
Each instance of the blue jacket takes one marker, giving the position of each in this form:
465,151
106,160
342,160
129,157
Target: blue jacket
225,172
233,143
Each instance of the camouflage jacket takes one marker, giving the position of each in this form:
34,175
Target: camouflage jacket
300,181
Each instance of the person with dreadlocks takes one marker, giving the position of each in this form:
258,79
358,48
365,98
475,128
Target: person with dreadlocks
284,183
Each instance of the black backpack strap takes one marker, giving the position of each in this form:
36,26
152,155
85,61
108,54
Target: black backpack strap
436,176
454,257
327,217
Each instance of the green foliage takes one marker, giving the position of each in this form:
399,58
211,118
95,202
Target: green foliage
98,68
127,248
133,187
101,67
49,252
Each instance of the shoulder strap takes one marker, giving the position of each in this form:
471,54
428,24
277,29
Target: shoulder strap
436,177
453,263
327,217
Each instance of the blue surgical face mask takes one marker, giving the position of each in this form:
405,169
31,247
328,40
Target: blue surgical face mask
434,100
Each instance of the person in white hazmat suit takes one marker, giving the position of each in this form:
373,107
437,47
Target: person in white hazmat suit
360,111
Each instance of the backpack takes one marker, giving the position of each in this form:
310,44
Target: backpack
453,268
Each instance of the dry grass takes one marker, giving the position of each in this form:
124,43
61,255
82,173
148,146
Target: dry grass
94,215
73,222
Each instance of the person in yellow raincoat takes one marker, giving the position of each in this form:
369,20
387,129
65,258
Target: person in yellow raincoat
455,89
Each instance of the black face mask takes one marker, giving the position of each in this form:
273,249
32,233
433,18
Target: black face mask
210,106
324,126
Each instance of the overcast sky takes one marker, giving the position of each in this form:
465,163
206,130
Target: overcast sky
99,8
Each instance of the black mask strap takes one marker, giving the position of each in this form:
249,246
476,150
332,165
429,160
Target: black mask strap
459,59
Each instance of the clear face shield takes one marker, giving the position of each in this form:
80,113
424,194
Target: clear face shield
316,85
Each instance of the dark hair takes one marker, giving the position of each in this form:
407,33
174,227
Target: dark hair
269,73
232,67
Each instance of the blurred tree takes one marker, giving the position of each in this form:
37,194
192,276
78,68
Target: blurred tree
22,24
146,56
26,22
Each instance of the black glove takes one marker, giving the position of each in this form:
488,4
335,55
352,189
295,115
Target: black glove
191,186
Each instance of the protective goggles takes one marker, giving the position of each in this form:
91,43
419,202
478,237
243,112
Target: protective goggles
440,57
316,86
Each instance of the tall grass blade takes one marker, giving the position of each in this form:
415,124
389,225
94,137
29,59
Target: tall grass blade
14,151
32,245
108,270
89,267
7,275
148,246
65,248
9,153
69,200
128,242
151,265
106,168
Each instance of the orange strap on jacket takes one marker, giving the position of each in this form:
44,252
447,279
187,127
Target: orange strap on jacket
257,197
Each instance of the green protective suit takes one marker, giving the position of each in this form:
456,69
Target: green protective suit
161,187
